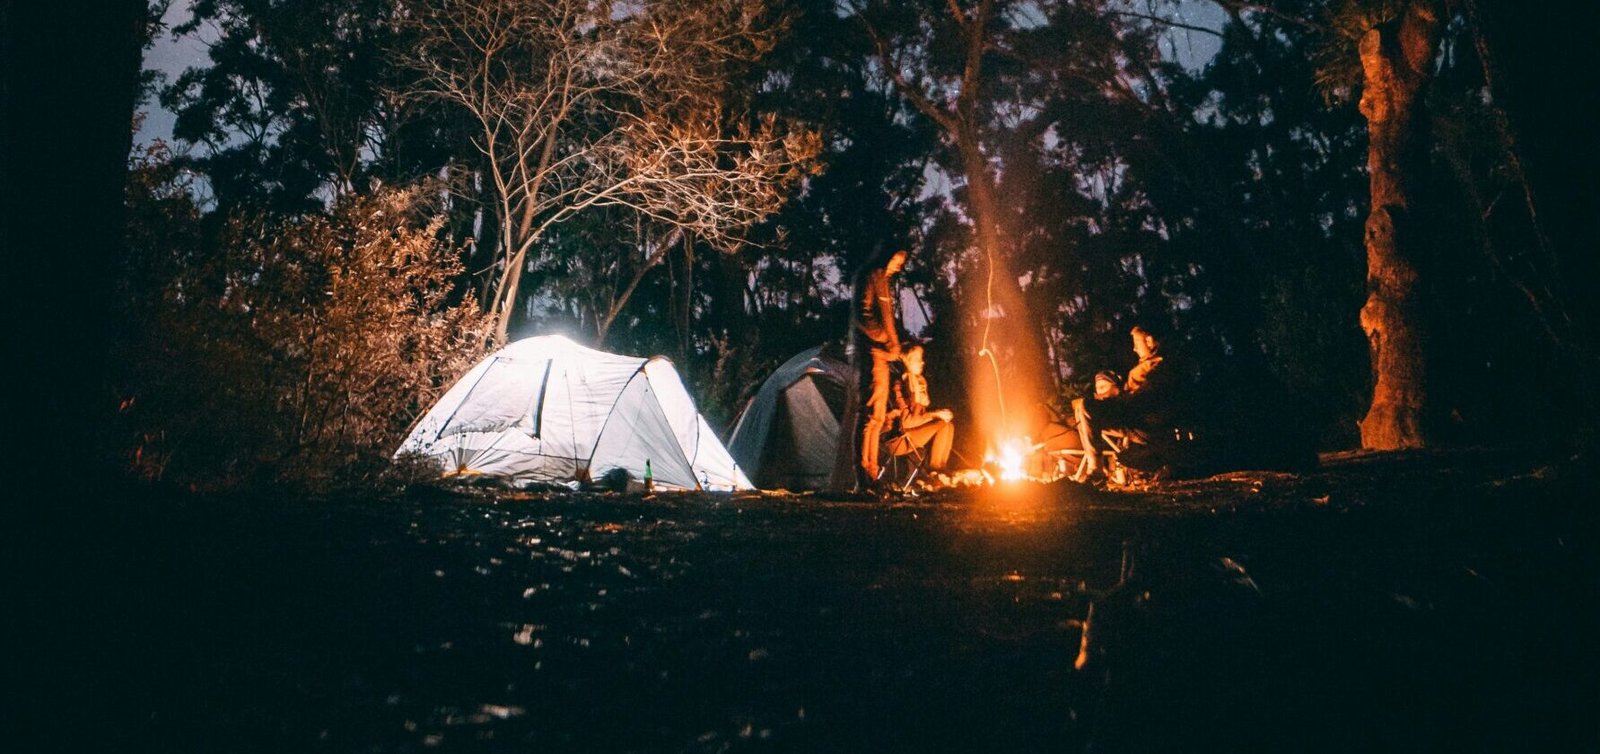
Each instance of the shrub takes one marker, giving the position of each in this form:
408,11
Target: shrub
295,351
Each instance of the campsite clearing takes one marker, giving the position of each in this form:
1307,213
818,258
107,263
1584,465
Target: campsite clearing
1382,603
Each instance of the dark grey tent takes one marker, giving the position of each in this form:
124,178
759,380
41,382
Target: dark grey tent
787,434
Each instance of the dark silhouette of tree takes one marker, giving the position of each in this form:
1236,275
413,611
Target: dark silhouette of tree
1259,185
69,76
292,110
1112,184
1540,194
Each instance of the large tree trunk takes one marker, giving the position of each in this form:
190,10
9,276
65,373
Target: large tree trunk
1006,351
1540,119
68,80
1396,60
1004,382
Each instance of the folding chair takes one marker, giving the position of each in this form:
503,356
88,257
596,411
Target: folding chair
1073,463
1116,442
1068,462
1179,448
904,461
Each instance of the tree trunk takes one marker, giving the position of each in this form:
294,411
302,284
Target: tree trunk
506,301
1396,61
603,328
1009,353
63,172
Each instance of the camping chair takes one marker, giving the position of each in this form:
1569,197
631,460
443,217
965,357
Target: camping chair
903,461
1116,442
1073,463
1066,462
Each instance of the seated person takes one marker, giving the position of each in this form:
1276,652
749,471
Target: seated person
1053,444
1054,438
1142,409
1053,435
1107,384
918,425
1051,432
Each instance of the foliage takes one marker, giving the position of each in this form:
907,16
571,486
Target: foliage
576,106
1273,183
700,180
1336,55
291,351
292,111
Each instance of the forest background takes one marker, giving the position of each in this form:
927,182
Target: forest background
360,197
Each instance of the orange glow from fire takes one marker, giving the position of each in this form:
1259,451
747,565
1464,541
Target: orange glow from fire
1009,459
1006,370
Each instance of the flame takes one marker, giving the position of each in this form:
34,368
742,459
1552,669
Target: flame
1009,459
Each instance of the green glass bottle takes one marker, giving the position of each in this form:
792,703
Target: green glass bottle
649,479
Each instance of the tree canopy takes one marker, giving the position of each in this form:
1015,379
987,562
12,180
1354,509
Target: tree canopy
701,180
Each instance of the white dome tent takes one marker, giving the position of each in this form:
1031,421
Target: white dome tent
549,410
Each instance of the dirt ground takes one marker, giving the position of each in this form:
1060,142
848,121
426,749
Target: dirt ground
1393,602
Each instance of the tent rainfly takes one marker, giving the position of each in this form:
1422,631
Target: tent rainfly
788,432
549,410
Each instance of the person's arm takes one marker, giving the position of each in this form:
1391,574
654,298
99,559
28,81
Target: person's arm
860,299
885,300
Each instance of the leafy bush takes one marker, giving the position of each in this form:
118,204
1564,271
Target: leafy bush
289,351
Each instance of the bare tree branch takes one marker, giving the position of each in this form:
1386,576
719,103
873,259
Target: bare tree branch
1166,22
581,105
1236,8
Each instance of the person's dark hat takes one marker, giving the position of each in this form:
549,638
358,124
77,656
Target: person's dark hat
1155,327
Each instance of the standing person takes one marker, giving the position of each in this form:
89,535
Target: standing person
874,345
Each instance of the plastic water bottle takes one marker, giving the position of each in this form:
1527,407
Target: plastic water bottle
649,479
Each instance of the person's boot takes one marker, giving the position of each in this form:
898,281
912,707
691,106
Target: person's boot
1116,474
866,482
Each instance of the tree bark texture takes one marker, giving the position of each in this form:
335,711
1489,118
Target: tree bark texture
1008,351
1397,62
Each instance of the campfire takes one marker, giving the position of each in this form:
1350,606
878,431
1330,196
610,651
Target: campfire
1009,460
1019,459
